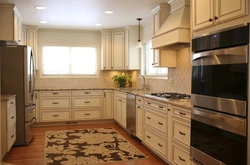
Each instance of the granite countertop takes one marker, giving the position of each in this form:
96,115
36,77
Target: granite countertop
139,92
7,97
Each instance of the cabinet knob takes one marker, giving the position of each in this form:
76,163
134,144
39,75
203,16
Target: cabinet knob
215,17
210,20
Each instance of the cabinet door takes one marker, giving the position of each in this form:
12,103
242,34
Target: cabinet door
118,110
124,113
202,13
106,54
118,50
17,27
164,58
139,121
229,9
31,40
108,104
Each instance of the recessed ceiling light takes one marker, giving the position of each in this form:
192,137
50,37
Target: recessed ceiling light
98,24
40,7
109,12
43,21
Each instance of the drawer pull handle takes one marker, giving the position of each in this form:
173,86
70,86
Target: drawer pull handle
138,107
149,118
86,92
181,133
139,100
87,102
55,115
160,123
55,103
87,114
168,109
160,107
12,136
12,102
55,93
160,145
148,137
120,100
182,159
181,113
148,103
12,117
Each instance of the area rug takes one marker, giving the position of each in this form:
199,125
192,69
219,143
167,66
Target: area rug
88,146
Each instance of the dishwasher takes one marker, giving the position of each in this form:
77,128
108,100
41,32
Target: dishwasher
131,113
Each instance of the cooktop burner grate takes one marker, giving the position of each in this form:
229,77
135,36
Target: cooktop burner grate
171,95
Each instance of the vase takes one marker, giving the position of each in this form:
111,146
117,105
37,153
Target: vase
122,84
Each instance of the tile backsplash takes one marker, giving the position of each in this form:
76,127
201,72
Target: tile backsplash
180,76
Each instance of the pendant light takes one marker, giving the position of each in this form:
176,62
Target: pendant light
139,41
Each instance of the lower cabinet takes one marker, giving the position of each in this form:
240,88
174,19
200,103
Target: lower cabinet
84,114
108,104
139,117
180,154
55,115
120,108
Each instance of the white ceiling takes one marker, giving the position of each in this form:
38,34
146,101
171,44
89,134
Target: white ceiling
84,14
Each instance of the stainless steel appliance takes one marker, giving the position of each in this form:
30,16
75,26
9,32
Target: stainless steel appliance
18,77
220,97
131,113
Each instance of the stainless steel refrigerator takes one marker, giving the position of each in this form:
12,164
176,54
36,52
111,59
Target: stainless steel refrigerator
18,77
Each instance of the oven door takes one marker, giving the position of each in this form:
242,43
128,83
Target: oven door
217,138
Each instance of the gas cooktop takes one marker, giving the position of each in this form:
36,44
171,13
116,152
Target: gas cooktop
171,95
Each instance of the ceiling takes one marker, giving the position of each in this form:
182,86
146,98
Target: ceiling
84,14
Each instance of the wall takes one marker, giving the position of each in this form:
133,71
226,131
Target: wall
180,77
51,36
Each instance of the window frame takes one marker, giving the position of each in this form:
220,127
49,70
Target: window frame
143,64
68,76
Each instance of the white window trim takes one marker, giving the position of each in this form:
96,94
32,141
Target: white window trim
69,76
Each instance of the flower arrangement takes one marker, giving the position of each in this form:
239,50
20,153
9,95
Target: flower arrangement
121,79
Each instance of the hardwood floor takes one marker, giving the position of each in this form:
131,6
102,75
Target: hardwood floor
34,153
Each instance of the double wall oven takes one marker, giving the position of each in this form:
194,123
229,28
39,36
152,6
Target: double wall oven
220,97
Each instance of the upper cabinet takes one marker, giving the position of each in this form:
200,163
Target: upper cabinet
119,51
207,13
11,24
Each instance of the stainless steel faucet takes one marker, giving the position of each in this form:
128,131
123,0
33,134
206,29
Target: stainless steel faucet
144,86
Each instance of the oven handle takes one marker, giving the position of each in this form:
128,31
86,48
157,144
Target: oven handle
226,122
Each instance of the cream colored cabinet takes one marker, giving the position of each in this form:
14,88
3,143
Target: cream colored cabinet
108,112
54,106
29,37
8,122
10,23
132,54
207,13
113,50
155,127
139,117
86,104
180,123
120,108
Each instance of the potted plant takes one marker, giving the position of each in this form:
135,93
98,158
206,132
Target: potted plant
121,79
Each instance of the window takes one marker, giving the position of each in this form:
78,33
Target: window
65,61
148,69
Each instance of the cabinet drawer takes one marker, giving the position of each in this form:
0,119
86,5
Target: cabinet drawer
79,102
156,142
121,95
55,115
55,93
87,114
157,120
11,117
155,104
181,131
50,102
11,103
182,112
180,156
11,136
139,100
86,92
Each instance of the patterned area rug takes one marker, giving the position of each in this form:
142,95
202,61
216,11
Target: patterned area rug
88,146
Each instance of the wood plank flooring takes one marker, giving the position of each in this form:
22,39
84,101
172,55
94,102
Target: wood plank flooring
34,153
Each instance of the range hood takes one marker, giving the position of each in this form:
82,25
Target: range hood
175,31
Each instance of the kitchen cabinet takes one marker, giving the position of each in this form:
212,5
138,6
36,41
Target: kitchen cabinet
132,53
155,127
139,117
120,108
8,122
86,104
55,106
10,23
29,37
113,50
211,12
108,112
